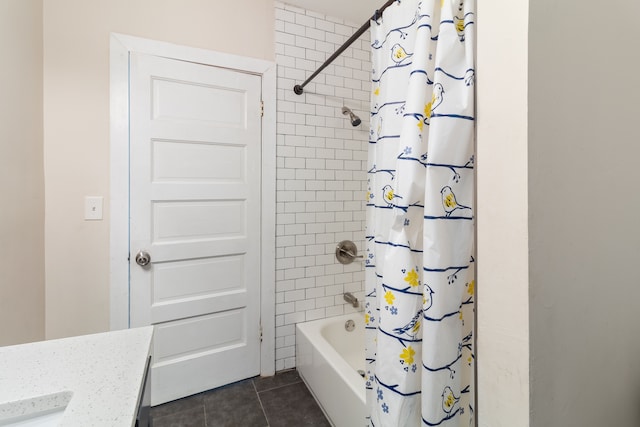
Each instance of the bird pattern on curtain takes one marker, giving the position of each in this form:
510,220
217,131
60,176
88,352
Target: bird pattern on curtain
419,311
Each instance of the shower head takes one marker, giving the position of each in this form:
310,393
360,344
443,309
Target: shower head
355,120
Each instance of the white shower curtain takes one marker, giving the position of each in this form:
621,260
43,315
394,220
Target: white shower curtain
419,309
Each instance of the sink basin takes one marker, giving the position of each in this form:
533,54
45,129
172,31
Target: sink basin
38,419
39,411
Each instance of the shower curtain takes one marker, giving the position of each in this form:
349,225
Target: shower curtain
419,310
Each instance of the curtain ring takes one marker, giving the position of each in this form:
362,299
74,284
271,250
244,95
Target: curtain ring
376,16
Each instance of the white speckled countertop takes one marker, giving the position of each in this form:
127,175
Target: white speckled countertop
100,376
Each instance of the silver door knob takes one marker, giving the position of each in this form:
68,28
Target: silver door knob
143,258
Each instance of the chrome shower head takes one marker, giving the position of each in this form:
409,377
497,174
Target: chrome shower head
355,120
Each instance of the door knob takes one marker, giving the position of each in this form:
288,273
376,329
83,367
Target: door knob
143,258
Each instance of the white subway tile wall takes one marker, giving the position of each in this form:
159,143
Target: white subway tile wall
321,176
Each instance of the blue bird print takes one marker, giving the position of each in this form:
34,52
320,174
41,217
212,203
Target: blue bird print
449,400
388,195
469,77
399,54
449,201
412,328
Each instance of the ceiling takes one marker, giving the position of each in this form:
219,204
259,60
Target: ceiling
355,11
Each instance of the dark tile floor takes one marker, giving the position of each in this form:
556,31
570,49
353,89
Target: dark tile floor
279,401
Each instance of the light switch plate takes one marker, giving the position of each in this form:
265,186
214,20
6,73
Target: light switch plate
92,208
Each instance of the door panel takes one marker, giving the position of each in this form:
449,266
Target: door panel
195,208
180,101
197,278
184,161
183,339
182,221
206,286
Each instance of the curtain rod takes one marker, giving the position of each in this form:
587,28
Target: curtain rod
299,89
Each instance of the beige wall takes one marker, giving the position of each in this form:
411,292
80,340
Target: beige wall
21,178
503,282
76,127
584,200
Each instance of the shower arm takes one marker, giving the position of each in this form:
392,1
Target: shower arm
299,89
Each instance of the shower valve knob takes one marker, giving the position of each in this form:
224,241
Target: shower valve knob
346,252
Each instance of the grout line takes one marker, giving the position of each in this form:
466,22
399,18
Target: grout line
279,386
260,402
282,385
174,412
204,408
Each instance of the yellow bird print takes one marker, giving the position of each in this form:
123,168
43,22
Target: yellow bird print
449,399
436,100
459,24
449,201
379,127
399,54
427,297
388,195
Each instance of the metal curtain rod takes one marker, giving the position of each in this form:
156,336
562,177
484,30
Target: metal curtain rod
298,89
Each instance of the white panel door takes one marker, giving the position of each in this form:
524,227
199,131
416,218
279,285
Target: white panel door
195,157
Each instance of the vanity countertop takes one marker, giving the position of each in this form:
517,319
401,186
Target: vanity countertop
100,376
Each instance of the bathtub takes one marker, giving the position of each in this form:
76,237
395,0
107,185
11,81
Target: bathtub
328,359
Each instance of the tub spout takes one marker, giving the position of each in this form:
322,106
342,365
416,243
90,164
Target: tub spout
351,299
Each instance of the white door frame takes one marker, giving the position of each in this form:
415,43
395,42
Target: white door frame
121,47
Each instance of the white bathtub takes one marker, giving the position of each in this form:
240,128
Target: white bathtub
328,359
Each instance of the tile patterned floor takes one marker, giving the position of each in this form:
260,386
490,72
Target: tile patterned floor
279,401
